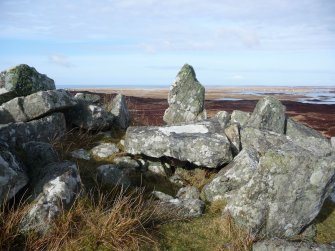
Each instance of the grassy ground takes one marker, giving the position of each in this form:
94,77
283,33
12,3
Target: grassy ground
325,223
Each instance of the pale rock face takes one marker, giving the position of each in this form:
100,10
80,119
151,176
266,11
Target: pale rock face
286,190
104,150
120,112
44,129
127,162
269,114
186,98
308,138
157,168
284,245
36,105
189,192
233,134
54,192
88,98
224,118
332,141
199,144
240,117
12,174
22,80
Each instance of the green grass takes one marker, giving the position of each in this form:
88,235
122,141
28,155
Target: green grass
325,223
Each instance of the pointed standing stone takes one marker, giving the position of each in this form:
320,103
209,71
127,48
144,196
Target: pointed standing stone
186,98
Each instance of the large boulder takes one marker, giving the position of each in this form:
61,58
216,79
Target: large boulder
308,138
286,190
88,98
12,174
120,111
233,176
224,118
284,245
269,114
89,117
240,117
201,144
54,192
44,129
22,109
186,98
22,80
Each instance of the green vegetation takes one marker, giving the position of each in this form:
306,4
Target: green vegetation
196,177
325,223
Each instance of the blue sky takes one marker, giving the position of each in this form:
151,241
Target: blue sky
145,42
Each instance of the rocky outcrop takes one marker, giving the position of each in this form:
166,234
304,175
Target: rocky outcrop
269,114
186,98
34,106
233,134
13,176
120,112
88,98
332,141
22,80
308,138
44,129
240,117
199,144
54,192
285,192
283,245
224,118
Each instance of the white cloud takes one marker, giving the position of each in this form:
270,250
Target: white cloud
60,60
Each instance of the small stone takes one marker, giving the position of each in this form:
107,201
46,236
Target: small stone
176,179
162,196
189,192
89,98
111,175
104,150
80,154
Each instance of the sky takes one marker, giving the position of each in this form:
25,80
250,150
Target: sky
146,42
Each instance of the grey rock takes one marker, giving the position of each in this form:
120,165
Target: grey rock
269,114
224,118
22,80
199,143
284,245
162,196
177,180
12,174
186,208
332,141
157,168
127,162
240,117
189,192
54,192
232,177
308,138
120,112
186,98
34,106
88,98
89,117
44,129
111,175
233,134
104,150
285,193
81,154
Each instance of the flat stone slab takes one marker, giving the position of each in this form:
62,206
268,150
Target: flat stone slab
200,144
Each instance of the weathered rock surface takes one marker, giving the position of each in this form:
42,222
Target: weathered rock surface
269,114
233,134
232,177
186,98
55,191
283,245
81,154
240,117
189,192
22,80
13,176
88,98
308,138
22,109
44,129
126,162
332,141
120,111
224,118
111,175
199,143
89,117
158,168
285,193
104,150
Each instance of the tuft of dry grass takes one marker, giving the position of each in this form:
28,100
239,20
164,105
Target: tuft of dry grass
195,177
120,220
